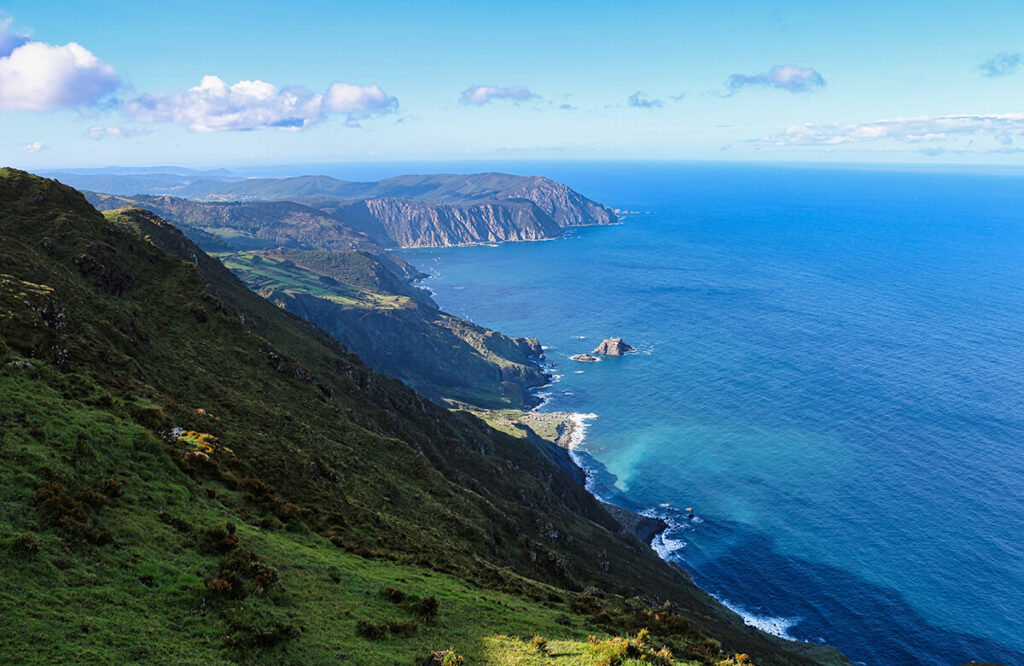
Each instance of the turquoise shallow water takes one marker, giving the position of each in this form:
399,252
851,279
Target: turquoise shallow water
830,372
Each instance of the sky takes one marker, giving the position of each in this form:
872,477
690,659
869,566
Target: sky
226,83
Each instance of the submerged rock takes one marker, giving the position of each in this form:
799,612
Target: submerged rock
613,347
584,358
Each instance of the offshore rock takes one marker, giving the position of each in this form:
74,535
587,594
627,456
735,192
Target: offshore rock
613,347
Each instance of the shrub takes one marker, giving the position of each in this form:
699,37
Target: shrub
217,540
444,658
59,508
371,630
427,607
219,587
26,543
100,537
113,489
175,522
405,629
539,644
257,628
394,595
616,651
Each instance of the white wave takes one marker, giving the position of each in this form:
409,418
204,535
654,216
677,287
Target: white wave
776,626
579,372
580,423
665,546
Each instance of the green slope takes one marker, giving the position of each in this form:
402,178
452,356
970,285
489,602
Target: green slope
192,475
442,356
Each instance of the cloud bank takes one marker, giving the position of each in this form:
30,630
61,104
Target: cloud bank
214,106
640,101
35,76
790,78
480,95
1002,64
911,130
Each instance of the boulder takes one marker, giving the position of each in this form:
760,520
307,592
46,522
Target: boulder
613,347
584,358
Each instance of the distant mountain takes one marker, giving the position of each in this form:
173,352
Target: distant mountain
127,181
566,206
154,170
366,224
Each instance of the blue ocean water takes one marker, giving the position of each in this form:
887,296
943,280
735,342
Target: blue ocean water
830,372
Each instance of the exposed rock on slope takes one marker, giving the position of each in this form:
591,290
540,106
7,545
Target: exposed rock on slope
405,223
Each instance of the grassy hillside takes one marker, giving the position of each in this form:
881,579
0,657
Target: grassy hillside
442,356
261,225
192,475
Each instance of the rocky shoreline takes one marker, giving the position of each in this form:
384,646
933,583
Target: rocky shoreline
566,430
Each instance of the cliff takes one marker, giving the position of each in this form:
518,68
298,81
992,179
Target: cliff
407,223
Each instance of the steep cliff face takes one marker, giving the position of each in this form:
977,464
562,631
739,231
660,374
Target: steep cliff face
566,206
406,223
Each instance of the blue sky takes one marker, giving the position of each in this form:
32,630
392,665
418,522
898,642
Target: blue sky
235,83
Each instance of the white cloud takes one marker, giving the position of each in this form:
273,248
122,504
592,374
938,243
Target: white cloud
34,147
923,129
1002,64
640,101
35,76
214,106
783,77
99,132
480,95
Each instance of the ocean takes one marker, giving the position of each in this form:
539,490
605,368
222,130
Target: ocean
830,373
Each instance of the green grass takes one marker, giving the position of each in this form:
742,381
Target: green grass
141,598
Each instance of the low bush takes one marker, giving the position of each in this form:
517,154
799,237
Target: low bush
27,543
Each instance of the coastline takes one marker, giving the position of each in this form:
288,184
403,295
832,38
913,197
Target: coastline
658,528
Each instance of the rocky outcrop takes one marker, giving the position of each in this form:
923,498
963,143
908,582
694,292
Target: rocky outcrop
584,358
613,347
644,528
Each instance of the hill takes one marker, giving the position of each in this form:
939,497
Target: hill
192,474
